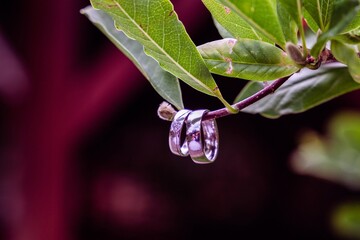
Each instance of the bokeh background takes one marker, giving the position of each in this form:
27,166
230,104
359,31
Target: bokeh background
83,154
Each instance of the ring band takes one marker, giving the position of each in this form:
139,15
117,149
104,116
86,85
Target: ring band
201,151
175,134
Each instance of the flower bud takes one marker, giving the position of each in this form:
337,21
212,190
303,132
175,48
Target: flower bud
295,53
166,111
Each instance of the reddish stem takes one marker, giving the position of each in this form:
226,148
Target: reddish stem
248,101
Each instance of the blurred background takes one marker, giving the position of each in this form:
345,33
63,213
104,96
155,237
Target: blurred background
83,154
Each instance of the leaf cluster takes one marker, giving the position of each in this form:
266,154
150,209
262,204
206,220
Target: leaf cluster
263,40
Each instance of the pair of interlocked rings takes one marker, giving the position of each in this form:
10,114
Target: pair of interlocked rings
202,137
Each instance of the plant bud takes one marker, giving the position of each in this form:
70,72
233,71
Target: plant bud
166,111
295,53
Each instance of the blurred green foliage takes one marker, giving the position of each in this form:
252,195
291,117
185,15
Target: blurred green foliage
335,157
346,220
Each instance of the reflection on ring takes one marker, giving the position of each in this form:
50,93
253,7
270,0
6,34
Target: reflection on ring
202,137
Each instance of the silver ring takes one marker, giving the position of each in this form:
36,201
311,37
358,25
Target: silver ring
202,151
175,134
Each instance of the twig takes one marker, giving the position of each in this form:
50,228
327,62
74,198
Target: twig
167,112
248,101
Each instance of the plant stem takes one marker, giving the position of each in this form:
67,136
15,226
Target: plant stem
247,101
301,28
328,58
322,27
167,114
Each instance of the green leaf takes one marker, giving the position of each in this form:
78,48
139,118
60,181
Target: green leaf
261,15
222,31
352,37
348,55
288,21
247,59
310,21
354,24
232,22
163,82
155,25
344,12
345,128
320,11
293,8
301,92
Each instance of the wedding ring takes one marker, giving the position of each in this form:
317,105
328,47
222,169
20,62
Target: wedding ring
175,134
202,151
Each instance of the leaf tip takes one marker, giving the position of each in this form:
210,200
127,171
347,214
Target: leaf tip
85,10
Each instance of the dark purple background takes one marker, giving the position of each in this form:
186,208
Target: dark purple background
84,156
